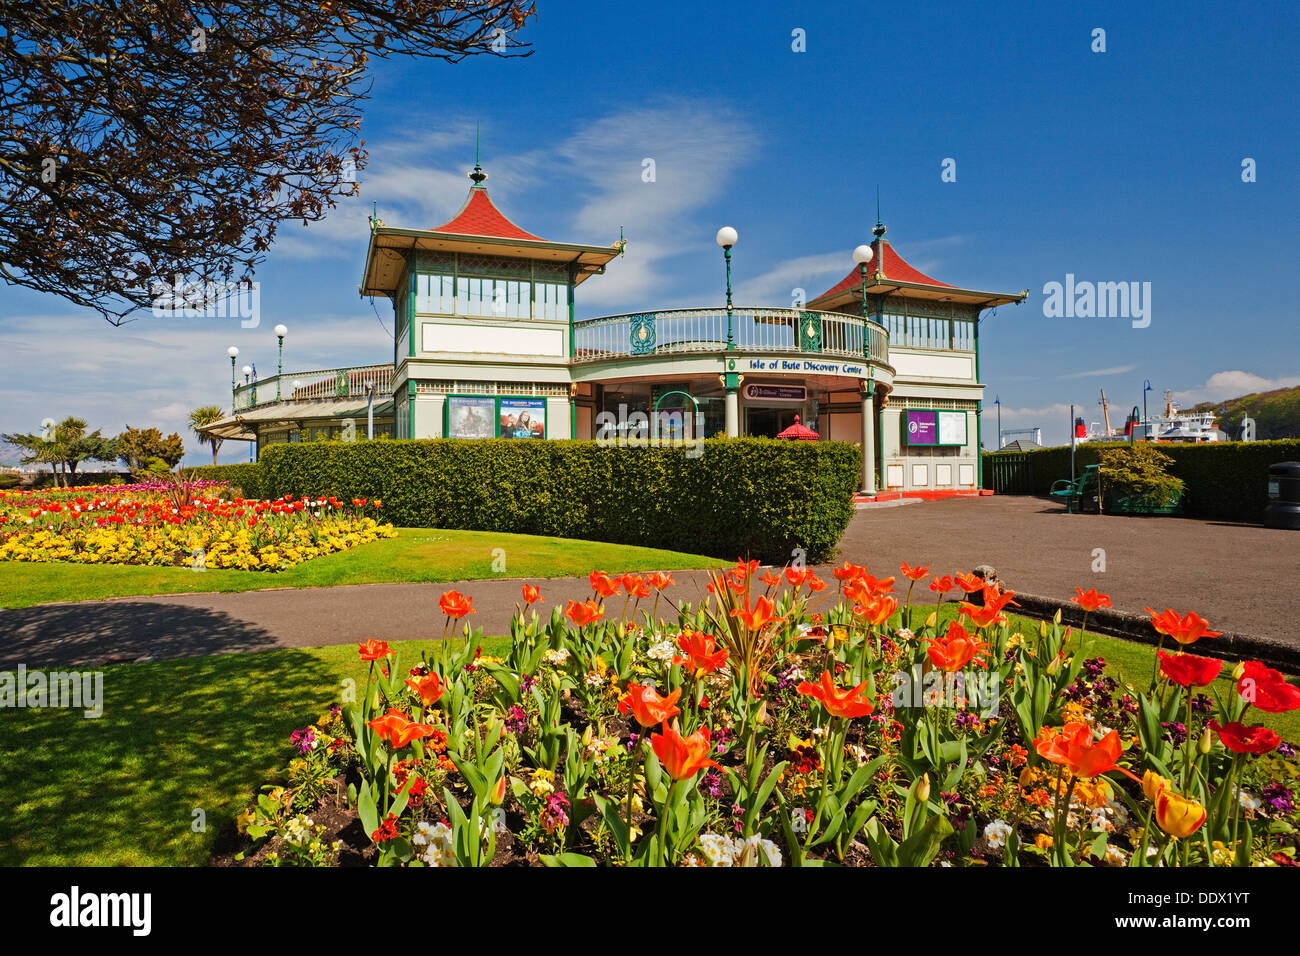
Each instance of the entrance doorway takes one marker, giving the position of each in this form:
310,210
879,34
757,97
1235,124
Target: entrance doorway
768,422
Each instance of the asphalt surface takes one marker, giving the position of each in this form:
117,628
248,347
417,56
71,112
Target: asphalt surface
1241,577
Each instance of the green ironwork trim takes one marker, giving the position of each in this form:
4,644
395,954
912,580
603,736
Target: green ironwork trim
810,332
641,333
410,408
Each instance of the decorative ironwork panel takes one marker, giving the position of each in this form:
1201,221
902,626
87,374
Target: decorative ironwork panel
810,332
642,331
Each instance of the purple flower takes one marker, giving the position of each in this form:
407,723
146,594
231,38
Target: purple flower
304,739
1286,750
1278,798
711,784
527,683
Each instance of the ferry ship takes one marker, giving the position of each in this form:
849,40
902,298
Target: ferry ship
1175,426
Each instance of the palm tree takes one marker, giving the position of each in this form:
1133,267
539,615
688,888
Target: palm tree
200,418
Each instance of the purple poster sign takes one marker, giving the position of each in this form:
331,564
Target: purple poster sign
922,428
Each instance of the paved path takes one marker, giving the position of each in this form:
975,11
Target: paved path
1243,578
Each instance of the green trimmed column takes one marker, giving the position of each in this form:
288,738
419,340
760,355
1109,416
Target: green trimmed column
731,406
869,439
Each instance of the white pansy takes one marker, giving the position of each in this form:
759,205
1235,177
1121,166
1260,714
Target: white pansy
996,833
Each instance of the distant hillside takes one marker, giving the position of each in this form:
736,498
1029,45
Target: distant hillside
1276,413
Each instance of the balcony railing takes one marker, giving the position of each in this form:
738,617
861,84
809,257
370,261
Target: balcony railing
319,385
684,331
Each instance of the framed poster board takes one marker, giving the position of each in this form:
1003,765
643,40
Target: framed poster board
521,417
471,416
934,428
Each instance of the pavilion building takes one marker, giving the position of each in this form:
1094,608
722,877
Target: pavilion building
487,344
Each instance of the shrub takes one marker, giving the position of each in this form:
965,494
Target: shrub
752,497
1139,472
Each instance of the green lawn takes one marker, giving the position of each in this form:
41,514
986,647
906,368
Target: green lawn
416,554
174,736
206,733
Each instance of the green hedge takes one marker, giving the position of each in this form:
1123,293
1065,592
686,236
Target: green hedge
247,477
1226,481
741,497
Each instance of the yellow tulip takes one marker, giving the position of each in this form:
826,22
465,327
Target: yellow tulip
1179,816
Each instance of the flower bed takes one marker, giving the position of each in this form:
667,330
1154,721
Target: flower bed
169,525
784,721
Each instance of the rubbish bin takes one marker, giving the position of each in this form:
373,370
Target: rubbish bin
1283,510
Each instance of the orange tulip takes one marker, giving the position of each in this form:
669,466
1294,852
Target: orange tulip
1074,748
660,579
982,616
771,579
760,615
602,584
847,571
942,585
645,704
955,649
1090,600
635,585
847,703
429,688
372,650
915,574
878,611
455,605
1179,816
1184,630
532,593
682,757
815,584
700,652
584,613
796,576
398,730
970,583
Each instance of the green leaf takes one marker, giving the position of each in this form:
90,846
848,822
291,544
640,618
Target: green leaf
566,859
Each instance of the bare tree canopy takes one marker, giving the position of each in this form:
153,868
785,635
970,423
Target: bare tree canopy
145,141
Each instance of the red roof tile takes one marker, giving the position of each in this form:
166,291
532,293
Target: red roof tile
892,265
480,217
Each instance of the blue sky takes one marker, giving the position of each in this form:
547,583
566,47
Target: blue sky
1117,166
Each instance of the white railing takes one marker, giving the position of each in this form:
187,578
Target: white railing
318,385
677,331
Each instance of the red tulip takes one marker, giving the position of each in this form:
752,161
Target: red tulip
1187,670
1241,739
428,688
532,593
760,615
970,583
1267,689
1073,747
398,730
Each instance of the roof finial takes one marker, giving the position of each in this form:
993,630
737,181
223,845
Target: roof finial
478,175
880,226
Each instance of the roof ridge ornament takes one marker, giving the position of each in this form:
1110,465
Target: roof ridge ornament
477,175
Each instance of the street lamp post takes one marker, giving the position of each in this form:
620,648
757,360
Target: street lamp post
726,238
280,333
862,255
370,411
1146,426
233,352
998,402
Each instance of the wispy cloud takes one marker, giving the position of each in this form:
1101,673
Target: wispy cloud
1098,372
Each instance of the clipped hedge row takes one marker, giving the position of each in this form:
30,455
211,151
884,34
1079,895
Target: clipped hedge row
741,497
247,477
1226,481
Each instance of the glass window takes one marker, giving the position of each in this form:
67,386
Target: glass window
433,293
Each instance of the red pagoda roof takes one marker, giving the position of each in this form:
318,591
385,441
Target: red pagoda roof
480,217
886,264
799,432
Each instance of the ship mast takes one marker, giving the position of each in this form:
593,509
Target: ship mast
1105,413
